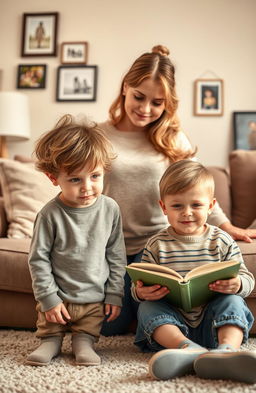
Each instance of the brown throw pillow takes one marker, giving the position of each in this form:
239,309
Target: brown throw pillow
243,181
222,188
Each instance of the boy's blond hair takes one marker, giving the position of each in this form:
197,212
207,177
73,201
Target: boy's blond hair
72,145
185,174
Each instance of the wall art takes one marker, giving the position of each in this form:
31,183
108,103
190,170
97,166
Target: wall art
39,35
208,97
244,124
31,76
77,83
74,52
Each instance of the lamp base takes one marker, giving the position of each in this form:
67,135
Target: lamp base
3,147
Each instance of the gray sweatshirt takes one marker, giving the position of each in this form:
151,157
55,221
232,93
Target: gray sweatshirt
78,254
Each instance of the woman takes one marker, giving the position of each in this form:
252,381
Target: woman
145,134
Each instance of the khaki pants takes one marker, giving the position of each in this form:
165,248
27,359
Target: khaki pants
85,318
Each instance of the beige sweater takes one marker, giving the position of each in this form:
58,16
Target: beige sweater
134,184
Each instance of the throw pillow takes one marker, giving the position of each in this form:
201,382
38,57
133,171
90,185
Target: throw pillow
25,191
243,180
21,158
222,188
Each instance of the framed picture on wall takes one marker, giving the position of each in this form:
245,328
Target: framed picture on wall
77,83
244,130
31,76
74,52
208,97
39,34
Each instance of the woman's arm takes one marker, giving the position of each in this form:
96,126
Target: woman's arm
239,233
219,219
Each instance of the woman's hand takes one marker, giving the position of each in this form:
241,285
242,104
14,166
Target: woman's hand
239,233
56,314
231,286
154,292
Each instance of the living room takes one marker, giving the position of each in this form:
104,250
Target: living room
207,41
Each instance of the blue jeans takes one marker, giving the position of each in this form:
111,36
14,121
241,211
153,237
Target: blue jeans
222,310
129,310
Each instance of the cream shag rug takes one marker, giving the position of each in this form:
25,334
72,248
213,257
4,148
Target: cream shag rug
123,370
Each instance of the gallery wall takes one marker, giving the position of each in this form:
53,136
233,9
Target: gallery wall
206,39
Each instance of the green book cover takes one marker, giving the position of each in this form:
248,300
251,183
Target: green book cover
189,291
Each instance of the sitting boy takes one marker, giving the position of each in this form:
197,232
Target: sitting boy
187,198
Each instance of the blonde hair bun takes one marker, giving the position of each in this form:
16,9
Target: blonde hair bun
162,50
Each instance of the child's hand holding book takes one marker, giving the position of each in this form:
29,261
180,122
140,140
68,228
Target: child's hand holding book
196,288
153,292
231,286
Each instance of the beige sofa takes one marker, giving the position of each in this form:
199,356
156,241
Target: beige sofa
24,191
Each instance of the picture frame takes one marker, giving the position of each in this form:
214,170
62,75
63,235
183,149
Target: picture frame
208,97
244,125
76,83
39,34
74,52
31,76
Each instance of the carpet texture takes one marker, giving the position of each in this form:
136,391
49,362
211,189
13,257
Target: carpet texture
123,370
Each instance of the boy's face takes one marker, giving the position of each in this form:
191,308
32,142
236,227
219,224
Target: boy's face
187,212
81,188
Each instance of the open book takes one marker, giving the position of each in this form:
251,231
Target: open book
189,291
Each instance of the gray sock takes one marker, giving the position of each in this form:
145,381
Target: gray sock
49,347
189,344
225,347
82,347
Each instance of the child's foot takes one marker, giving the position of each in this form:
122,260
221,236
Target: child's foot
48,349
235,365
171,363
82,347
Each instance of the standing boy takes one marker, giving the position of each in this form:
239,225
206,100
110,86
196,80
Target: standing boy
77,257
187,198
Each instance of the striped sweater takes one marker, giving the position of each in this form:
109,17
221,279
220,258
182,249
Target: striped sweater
183,253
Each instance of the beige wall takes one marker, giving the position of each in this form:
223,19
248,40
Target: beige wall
206,38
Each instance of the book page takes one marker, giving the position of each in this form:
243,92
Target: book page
153,267
209,267
151,277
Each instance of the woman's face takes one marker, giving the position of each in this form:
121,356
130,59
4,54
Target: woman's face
143,104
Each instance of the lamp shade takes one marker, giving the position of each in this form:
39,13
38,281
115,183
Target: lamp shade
14,115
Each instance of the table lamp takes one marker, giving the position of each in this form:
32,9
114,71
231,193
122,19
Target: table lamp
14,119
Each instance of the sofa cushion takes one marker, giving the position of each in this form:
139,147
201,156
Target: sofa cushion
14,269
3,220
249,257
25,192
243,180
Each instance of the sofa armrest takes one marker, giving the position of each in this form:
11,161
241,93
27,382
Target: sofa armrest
3,219
222,188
